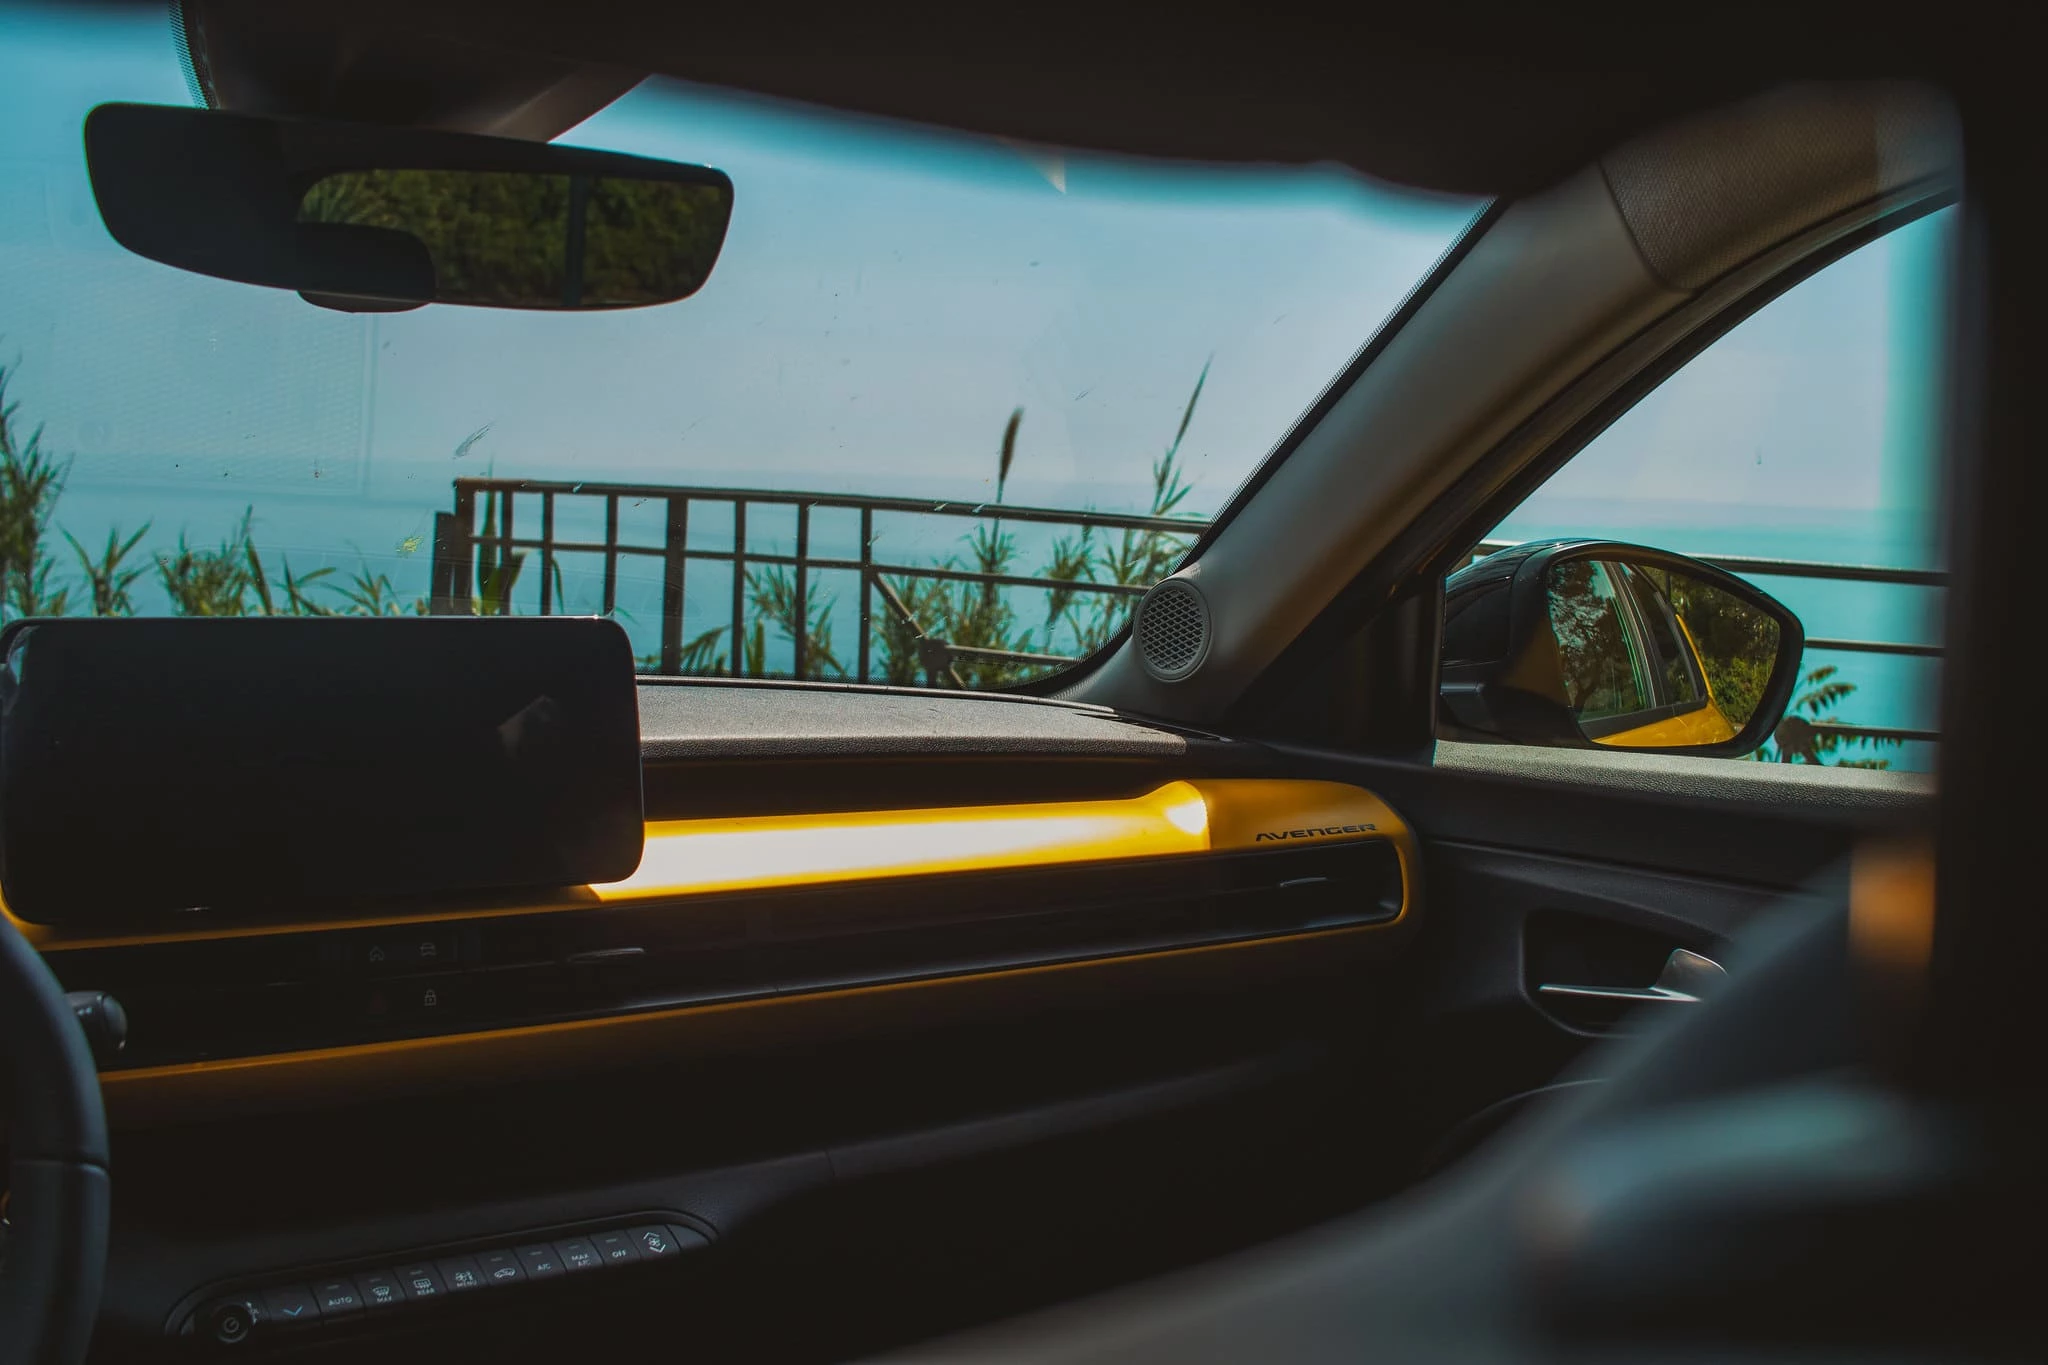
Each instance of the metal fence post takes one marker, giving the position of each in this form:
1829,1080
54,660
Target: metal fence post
611,553
547,553
739,586
462,551
867,587
803,618
674,542
443,569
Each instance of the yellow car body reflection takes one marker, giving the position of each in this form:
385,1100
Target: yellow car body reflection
1705,725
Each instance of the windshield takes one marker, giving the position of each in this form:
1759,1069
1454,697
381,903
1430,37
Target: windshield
977,396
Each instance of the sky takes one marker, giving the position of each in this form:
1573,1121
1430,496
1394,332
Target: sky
886,298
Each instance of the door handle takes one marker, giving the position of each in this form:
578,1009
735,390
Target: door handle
1684,980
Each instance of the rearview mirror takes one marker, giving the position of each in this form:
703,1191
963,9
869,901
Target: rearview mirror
1596,644
363,217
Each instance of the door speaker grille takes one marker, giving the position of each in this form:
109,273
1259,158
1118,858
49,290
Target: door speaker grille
1172,630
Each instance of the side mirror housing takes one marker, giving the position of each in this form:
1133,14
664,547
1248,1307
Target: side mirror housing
1597,644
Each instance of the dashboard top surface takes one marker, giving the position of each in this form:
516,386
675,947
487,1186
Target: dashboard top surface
723,720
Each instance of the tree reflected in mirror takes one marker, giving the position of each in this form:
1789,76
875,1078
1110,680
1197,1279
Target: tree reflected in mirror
1652,657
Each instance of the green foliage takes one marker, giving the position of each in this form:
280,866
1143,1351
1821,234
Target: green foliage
497,566
1821,691
214,582
370,594
31,481
298,601
771,592
984,616
754,661
700,654
898,635
105,579
1737,644
500,237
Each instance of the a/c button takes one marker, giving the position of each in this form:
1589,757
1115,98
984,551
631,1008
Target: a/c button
541,1262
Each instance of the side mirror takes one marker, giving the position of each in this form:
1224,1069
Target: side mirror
1593,644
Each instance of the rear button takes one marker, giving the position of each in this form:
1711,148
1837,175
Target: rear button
420,1282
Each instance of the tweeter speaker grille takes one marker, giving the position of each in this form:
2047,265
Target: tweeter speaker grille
1172,629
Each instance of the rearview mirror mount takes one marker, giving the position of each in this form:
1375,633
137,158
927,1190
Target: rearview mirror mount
370,218
1596,644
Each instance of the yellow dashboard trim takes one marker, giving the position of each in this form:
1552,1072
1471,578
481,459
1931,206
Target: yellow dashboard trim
1182,818
686,858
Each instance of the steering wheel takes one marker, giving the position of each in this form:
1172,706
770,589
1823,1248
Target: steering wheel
55,1250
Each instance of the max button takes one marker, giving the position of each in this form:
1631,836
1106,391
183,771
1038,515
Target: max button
379,1289
578,1254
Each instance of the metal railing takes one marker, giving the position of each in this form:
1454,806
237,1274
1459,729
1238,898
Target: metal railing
457,540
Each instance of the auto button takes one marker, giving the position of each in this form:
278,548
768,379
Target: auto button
337,1298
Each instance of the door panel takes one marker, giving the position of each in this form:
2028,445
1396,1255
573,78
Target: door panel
1547,864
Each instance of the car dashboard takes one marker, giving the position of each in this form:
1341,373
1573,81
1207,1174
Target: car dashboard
814,873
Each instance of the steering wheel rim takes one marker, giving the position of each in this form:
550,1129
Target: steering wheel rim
56,1249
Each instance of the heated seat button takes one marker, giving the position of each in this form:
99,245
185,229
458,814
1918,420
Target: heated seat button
337,1298
541,1262
420,1281
500,1267
654,1243
379,1289
460,1273
617,1248
291,1305
578,1254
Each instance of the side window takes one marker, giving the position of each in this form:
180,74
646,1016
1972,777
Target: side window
1797,452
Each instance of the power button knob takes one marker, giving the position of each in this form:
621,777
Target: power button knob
229,1322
